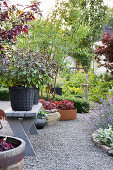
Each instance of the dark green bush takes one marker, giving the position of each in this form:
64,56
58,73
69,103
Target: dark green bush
4,94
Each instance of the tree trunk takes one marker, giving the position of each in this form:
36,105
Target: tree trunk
86,86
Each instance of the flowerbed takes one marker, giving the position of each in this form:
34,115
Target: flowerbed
63,105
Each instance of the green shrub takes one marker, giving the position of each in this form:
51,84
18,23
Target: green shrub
4,94
97,86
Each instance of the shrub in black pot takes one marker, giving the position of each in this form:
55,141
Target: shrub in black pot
20,71
21,98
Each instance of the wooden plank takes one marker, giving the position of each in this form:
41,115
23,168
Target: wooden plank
32,113
19,132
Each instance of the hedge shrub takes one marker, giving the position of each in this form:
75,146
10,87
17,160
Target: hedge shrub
4,94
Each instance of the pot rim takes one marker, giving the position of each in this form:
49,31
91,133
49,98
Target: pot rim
19,148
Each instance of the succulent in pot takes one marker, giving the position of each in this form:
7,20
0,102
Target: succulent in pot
41,119
11,150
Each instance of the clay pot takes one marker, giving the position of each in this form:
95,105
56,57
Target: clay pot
68,114
13,158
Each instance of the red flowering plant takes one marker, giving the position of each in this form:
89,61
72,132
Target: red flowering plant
63,105
104,53
48,105
66,105
14,21
4,146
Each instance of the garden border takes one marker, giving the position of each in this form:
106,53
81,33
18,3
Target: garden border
105,148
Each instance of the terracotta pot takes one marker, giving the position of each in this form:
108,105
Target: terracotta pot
68,114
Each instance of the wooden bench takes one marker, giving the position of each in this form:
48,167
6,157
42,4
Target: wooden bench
22,122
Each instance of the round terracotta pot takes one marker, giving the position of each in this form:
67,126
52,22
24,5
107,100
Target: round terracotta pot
68,114
13,158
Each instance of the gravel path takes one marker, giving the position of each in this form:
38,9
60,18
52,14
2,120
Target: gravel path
66,145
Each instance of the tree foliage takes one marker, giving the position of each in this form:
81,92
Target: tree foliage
83,21
107,50
14,21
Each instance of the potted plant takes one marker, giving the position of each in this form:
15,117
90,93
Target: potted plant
41,119
21,72
64,107
11,150
67,110
16,72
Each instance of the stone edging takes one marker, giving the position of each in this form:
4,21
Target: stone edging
105,148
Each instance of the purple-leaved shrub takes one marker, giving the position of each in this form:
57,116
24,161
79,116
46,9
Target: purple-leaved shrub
102,115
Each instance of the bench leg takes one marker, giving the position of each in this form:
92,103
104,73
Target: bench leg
19,132
33,130
29,126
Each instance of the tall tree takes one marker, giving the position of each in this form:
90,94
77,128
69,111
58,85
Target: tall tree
83,21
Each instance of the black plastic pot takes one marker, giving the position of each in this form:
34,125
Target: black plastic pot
40,123
58,90
21,98
36,96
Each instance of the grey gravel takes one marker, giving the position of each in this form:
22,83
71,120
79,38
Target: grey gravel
66,145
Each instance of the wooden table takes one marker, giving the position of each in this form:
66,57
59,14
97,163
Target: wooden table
22,122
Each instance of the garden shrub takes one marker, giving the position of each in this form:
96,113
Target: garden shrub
97,86
73,86
4,94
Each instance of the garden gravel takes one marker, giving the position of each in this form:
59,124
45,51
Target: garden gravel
66,145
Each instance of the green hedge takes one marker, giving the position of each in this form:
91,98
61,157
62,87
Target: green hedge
4,94
81,104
